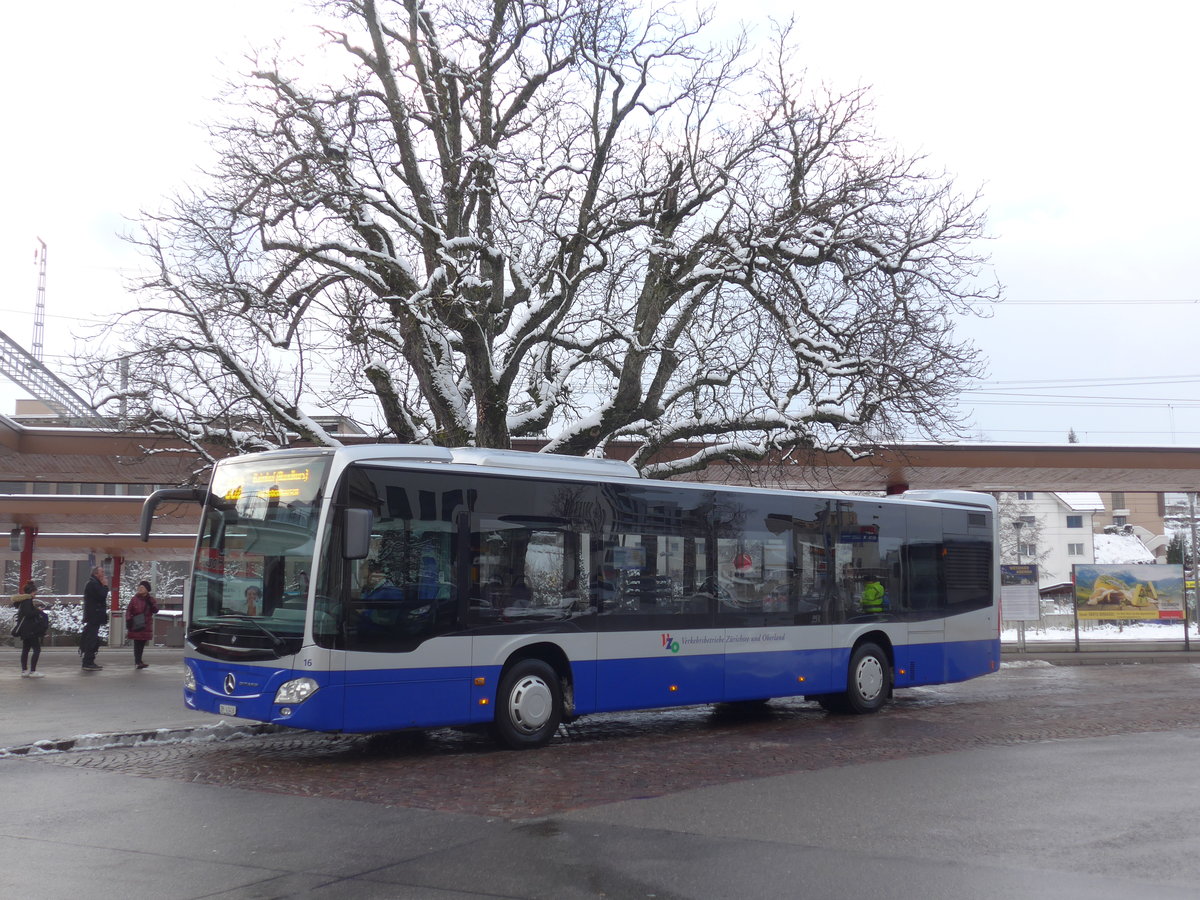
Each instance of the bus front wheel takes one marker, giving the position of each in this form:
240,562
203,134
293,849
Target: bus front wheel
528,705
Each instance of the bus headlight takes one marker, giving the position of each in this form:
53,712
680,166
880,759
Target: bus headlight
296,691
189,678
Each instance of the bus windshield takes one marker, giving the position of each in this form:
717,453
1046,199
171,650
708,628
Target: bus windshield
255,555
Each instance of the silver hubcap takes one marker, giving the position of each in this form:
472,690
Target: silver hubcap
869,677
530,704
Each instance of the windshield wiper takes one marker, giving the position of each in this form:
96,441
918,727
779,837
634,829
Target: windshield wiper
276,640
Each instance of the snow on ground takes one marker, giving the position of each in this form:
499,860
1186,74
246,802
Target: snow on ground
1027,664
1102,631
221,731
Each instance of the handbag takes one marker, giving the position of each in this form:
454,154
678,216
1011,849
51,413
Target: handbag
137,622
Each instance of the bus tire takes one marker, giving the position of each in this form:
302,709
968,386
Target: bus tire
869,680
528,705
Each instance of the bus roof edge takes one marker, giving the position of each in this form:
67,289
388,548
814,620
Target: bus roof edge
544,462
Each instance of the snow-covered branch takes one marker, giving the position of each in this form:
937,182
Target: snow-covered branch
569,219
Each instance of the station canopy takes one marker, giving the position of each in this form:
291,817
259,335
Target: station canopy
72,525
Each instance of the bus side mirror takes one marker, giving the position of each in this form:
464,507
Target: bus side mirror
357,543
169,495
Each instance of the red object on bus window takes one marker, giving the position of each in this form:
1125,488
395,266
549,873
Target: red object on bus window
742,562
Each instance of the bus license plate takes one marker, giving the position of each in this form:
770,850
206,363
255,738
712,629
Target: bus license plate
227,709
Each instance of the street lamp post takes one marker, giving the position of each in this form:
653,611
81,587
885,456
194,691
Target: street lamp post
1017,526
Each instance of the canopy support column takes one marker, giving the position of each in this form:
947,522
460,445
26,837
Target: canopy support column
27,556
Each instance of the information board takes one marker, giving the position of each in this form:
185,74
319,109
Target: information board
1019,600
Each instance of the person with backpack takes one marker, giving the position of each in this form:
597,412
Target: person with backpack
139,622
32,625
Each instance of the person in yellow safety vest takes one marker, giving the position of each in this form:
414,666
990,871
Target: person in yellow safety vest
872,595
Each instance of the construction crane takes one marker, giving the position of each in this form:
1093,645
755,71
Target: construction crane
27,369
39,300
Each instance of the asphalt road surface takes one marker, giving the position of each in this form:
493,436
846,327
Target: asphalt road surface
1039,781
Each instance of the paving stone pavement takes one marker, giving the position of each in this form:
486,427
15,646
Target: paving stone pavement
607,758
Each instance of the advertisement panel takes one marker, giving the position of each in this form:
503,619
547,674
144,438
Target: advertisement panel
1129,591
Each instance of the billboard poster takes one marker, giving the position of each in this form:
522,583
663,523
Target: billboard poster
1019,593
1129,591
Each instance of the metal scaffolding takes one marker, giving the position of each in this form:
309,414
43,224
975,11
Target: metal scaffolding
23,368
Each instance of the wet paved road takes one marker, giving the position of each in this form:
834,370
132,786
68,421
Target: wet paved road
609,758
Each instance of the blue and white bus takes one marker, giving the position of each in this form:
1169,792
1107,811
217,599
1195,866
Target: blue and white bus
387,587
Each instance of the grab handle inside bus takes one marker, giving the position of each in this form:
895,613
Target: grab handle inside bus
167,495
357,543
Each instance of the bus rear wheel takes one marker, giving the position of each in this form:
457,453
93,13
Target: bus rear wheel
870,679
868,683
528,705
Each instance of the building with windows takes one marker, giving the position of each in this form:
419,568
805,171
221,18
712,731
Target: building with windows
71,494
1137,513
1053,530
1062,529
71,497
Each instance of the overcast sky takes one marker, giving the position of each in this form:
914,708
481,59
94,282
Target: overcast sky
1078,120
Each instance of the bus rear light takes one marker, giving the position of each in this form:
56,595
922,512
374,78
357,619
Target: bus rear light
483,701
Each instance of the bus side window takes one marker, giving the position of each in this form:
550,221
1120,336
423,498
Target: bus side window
926,590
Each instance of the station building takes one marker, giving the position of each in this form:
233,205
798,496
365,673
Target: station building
71,494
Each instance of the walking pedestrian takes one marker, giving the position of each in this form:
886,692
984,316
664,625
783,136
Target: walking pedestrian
32,623
139,621
95,614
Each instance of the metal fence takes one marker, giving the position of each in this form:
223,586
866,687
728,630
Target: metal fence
66,622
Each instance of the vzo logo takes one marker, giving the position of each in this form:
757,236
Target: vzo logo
669,644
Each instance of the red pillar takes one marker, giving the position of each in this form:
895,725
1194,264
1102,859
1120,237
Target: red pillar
27,556
114,594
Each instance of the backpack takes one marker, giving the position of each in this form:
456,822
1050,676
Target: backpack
40,624
32,627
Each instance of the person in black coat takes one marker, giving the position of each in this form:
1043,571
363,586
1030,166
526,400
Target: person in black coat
95,614
28,609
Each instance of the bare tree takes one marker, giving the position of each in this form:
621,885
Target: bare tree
571,220
167,579
14,584
1020,531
